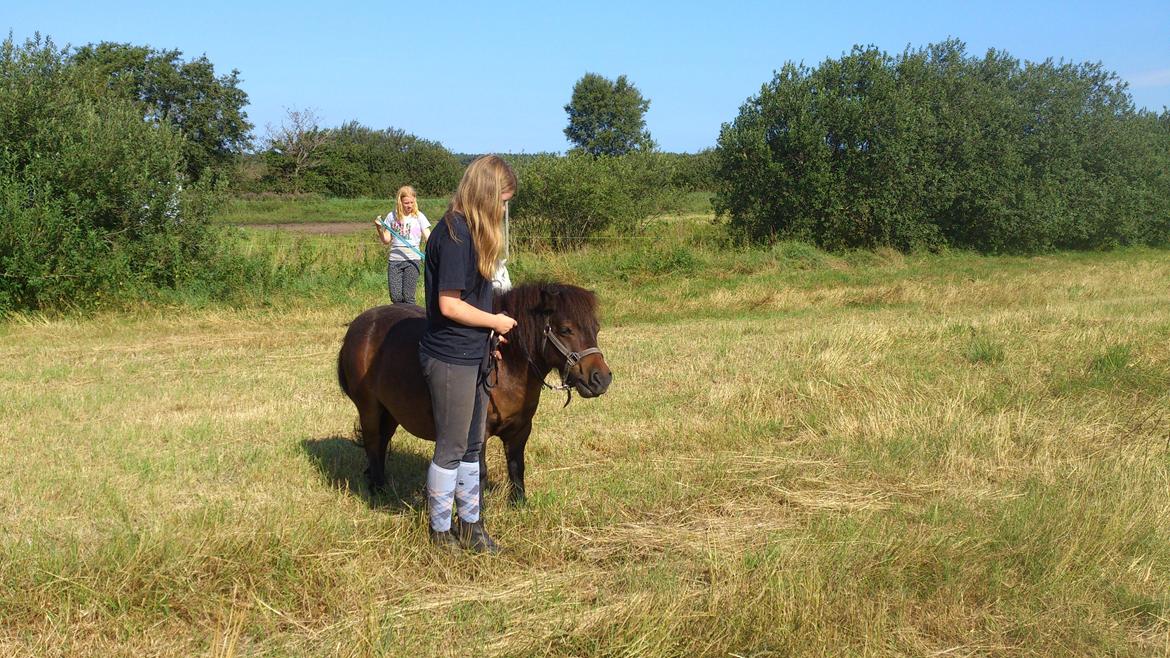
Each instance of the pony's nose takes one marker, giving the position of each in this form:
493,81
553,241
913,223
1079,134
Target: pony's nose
599,381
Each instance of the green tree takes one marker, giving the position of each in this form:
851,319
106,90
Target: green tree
934,148
207,110
607,117
363,161
94,203
353,160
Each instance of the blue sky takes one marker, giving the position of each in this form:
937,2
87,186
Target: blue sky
483,77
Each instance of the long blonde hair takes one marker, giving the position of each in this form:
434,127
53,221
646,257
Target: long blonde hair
399,211
478,199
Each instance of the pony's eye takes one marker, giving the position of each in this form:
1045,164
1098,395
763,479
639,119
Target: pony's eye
565,331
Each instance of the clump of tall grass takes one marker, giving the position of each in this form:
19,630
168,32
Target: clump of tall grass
800,255
981,348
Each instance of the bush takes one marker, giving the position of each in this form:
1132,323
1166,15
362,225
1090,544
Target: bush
356,161
92,196
692,172
564,201
933,148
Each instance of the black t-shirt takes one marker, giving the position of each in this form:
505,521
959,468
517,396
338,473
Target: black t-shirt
452,265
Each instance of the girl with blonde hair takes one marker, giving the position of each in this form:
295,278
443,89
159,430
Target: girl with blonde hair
405,261
461,258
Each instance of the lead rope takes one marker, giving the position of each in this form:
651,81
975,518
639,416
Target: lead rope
492,366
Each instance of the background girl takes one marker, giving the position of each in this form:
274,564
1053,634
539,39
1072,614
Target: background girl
402,268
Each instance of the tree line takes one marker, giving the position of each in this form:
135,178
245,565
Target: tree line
350,160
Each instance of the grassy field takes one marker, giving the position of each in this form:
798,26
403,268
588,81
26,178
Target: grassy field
801,455
296,209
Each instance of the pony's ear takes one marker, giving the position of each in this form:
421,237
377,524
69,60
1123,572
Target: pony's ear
549,299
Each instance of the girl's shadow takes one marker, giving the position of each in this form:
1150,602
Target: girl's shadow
342,464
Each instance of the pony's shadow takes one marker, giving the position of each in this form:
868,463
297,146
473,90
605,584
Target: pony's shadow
342,464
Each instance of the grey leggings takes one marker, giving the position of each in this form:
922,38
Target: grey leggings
402,279
460,407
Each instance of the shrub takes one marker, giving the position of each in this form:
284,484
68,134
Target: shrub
92,196
934,148
692,172
564,201
356,161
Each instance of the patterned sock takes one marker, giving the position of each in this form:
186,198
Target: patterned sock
440,496
467,492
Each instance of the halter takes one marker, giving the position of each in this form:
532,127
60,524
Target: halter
571,359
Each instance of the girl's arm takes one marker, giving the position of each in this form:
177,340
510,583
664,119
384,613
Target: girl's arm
426,226
455,309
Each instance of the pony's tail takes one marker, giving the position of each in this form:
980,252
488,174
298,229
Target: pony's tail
341,372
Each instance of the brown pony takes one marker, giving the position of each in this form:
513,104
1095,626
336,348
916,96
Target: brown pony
378,369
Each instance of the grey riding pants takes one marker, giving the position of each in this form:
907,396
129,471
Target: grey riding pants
460,408
402,279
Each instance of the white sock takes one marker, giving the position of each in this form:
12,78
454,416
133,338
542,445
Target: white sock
440,496
467,491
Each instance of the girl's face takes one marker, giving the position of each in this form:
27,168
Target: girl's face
408,204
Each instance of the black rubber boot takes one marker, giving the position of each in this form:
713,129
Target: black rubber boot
445,540
474,537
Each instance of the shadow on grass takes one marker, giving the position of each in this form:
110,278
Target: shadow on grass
342,464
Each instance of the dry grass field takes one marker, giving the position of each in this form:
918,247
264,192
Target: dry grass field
800,455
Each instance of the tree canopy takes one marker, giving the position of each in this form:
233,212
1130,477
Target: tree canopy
607,117
354,160
207,110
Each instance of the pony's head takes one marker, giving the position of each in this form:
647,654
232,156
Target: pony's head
556,329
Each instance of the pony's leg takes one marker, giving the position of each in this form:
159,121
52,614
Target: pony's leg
377,428
514,444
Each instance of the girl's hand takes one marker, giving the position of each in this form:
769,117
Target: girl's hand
383,236
503,323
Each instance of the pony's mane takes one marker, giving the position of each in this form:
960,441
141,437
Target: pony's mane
526,303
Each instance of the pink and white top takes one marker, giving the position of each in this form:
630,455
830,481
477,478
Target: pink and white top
412,229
